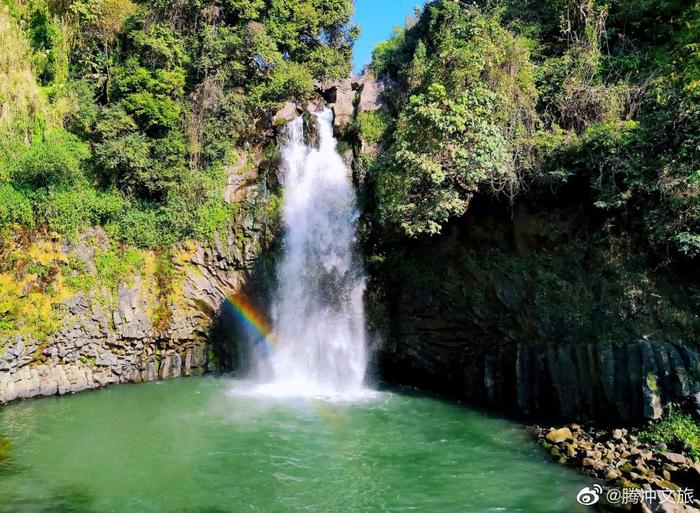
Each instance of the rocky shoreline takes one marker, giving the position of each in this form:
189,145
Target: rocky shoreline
646,477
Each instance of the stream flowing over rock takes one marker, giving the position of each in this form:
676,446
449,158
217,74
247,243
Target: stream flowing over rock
520,312
317,309
109,337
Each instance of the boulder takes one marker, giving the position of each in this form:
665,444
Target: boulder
287,113
670,507
559,435
613,474
105,358
675,458
340,97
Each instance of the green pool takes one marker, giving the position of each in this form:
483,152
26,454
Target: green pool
204,445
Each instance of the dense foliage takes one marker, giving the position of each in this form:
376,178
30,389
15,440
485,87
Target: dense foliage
125,113
677,430
598,96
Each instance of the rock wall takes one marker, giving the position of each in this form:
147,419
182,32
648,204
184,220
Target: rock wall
131,334
540,313
346,98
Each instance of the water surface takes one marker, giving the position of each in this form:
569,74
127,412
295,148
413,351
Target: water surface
192,445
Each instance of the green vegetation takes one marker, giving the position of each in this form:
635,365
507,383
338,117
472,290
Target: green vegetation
38,278
32,289
125,114
372,125
596,97
678,430
114,266
652,382
129,115
465,97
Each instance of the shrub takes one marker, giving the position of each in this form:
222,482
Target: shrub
372,125
15,207
69,211
111,110
463,90
287,80
139,226
20,96
444,149
677,430
56,159
33,292
116,264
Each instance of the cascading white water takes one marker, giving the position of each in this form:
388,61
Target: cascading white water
318,316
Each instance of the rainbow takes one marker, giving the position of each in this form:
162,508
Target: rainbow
253,320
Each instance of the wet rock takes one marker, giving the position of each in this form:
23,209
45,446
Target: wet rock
668,507
241,182
340,98
559,435
613,474
595,454
688,477
618,457
188,362
99,346
539,365
150,373
652,405
343,112
643,508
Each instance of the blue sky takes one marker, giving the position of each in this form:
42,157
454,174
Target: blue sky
377,19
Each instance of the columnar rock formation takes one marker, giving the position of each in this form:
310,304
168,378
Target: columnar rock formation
110,336
526,314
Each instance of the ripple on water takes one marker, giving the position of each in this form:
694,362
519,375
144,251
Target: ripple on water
303,391
209,445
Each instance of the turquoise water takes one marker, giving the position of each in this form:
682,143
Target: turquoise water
193,445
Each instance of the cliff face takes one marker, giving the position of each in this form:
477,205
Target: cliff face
115,315
536,309
542,313
88,313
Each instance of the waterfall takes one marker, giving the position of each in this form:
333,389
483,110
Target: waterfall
317,315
